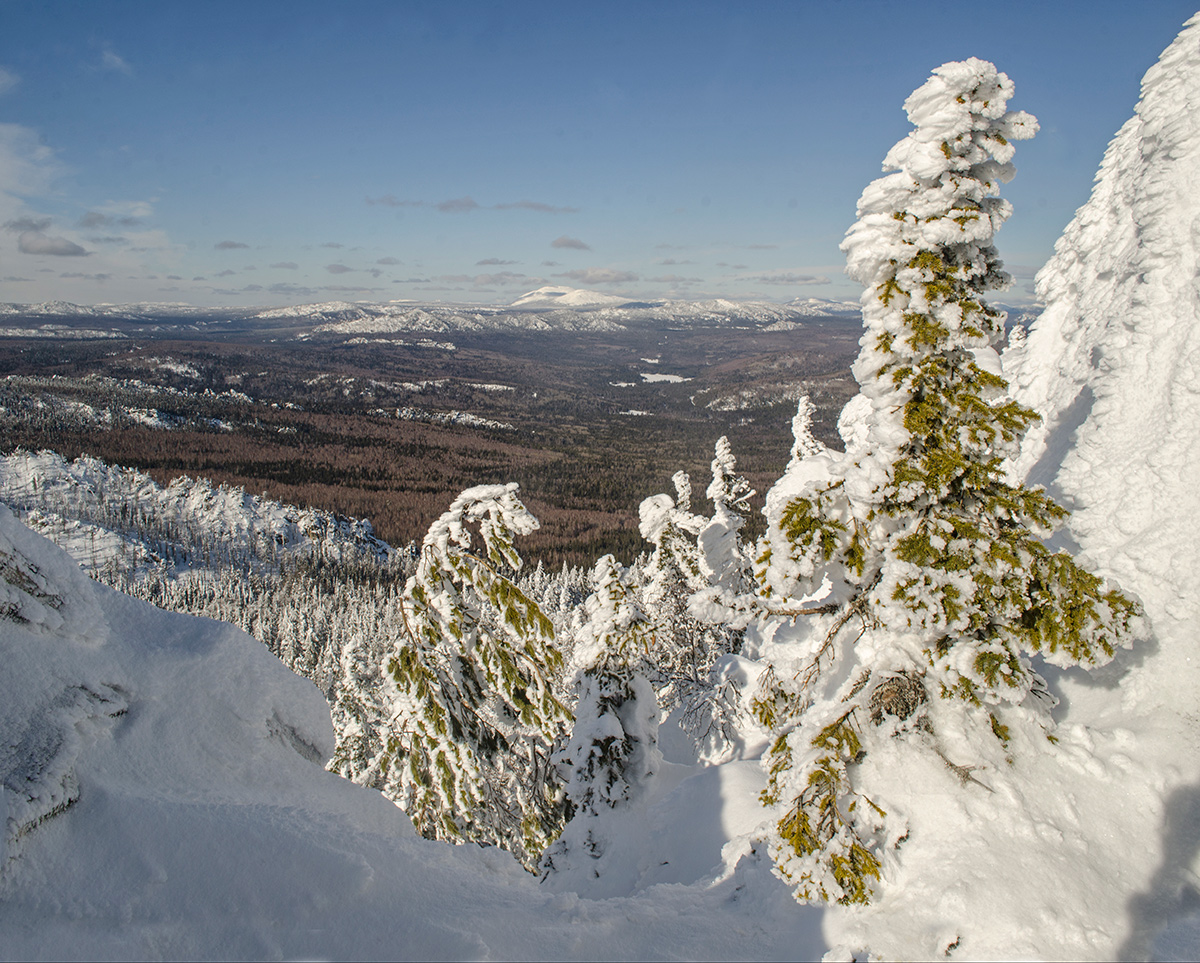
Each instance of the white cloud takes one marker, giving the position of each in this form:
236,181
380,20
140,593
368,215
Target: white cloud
8,80
111,60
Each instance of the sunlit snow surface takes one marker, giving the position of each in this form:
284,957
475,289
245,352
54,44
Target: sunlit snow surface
1114,367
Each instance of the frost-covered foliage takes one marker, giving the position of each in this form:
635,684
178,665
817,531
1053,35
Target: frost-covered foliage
724,560
698,565
472,715
924,565
613,747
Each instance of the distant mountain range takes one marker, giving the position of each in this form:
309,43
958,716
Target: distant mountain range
546,309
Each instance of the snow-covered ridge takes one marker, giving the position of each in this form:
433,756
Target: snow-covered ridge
558,297
118,518
559,309
546,309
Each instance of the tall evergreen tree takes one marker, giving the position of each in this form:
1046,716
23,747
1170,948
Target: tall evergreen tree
472,715
925,562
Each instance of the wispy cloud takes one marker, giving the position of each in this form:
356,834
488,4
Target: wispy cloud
599,276
229,245
790,278
292,290
466,204
485,280
111,60
333,244
8,80
95,219
21,224
286,265
338,269
388,261
569,243
458,205
494,262
535,206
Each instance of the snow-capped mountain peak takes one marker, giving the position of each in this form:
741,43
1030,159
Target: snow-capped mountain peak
549,297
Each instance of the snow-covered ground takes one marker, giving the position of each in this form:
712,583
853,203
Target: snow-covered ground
1113,365
201,825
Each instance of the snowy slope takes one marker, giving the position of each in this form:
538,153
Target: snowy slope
1113,365
201,824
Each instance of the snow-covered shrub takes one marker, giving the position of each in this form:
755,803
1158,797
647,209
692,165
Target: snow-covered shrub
925,563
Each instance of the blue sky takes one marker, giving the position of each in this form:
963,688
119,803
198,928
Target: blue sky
279,153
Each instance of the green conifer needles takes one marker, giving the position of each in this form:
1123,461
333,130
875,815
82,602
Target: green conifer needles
472,713
934,557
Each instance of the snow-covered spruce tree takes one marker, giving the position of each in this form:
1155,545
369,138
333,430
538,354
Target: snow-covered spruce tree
670,576
938,588
689,639
724,560
472,716
613,748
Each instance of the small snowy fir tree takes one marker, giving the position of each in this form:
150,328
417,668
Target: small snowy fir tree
724,560
472,712
689,640
925,563
804,444
613,748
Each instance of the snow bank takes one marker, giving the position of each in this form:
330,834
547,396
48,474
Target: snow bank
1113,365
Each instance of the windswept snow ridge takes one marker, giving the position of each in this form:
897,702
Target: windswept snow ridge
1113,365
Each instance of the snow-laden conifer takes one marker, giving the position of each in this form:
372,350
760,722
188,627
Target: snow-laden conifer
472,711
613,747
924,562
697,566
724,560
